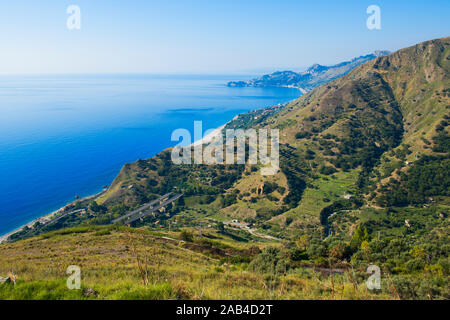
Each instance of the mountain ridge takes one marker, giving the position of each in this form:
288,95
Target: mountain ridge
343,127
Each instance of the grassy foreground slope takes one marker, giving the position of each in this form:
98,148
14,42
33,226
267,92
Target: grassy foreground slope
124,263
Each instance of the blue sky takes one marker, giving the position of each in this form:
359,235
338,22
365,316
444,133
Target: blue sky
206,36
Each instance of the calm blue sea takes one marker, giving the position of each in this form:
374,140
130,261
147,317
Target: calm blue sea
62,136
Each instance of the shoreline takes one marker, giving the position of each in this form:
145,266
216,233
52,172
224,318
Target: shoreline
209,137
47,217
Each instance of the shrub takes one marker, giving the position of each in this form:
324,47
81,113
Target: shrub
326,170
415,265
186,235
302,135
268,261
269,187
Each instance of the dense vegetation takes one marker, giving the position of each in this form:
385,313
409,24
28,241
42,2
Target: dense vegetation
429,177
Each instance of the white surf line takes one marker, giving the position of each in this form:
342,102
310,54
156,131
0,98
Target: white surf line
209,137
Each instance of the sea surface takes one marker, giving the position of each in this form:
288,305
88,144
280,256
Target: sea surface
68,135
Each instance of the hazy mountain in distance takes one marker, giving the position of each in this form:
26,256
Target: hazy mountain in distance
313,77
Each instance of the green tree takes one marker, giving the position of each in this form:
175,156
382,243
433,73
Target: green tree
187,235
303,242
221,227
361,234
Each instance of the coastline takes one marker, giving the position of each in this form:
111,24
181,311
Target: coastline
209,137
47,217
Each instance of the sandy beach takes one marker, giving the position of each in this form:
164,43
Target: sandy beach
47,217
209,137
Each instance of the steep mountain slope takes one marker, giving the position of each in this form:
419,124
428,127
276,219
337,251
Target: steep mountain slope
392,103
315,76
346,138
